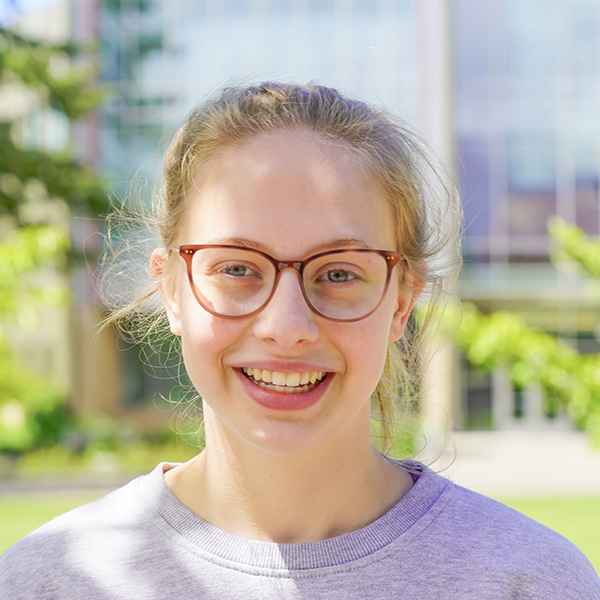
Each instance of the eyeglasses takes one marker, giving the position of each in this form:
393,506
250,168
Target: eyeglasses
341,285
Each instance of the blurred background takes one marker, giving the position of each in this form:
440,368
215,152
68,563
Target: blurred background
507,93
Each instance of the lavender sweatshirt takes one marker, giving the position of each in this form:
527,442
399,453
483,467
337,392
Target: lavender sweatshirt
440,541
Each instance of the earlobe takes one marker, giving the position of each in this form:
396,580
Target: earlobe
166,288
404,306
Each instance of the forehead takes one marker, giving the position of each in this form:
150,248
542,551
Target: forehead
288,191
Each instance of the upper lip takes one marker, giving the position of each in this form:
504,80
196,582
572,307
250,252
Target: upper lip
285,367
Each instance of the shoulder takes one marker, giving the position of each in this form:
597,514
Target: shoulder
488,537
77,542
488,519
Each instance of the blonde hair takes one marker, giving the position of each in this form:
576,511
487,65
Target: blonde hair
422,199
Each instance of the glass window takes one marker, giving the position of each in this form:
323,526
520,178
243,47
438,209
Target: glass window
184,49
531,161
322,35
586,165
472,105
397,42
530,102
278,7
321,6
584,93
111,162
362,8
477,397
585,34
530,36
474,185
469,37
194,10
588,215
235,8
528,214
587,152
531,182
109,58
365,46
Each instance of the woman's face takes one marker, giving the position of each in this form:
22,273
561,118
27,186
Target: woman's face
291,195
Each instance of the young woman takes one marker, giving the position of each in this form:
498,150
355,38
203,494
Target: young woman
299,228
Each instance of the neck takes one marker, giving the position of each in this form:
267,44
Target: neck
294,497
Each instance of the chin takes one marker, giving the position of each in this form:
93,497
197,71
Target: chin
286,438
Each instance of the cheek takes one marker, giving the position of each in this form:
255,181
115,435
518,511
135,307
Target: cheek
365,348
204,338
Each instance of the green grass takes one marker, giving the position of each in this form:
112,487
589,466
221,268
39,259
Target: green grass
20,514
578,519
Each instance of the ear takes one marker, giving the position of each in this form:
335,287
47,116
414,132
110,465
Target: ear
166,287
411,291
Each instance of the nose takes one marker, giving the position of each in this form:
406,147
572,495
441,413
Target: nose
287,319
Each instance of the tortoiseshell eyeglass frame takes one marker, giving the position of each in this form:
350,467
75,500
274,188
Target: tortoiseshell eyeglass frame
187,253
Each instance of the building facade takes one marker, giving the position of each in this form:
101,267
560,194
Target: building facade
164,57
507,92
526,96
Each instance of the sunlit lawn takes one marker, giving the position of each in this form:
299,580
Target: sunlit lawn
21,514
578,519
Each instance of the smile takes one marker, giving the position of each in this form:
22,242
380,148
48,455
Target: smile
288,383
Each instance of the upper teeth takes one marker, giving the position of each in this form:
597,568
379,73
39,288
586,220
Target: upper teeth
283,379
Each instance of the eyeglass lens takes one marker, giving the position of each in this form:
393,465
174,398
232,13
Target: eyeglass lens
236,282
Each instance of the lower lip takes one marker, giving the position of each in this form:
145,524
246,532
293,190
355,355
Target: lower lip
280,400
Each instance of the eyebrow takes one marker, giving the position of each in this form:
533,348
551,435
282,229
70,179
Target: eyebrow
338,244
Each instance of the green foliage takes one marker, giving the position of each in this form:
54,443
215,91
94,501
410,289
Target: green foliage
60,175
23,254
46,68
33,411
567,377
534,357
48,71
576,245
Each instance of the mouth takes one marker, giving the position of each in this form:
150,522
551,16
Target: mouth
287,383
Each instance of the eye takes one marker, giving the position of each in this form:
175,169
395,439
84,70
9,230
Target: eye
238,270
337,276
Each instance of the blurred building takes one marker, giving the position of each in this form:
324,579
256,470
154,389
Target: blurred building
163,57
514,87
508,92
526,94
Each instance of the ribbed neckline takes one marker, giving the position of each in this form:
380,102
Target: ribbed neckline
211,541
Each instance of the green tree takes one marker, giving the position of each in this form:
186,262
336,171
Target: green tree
534,357
35,187
48,71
